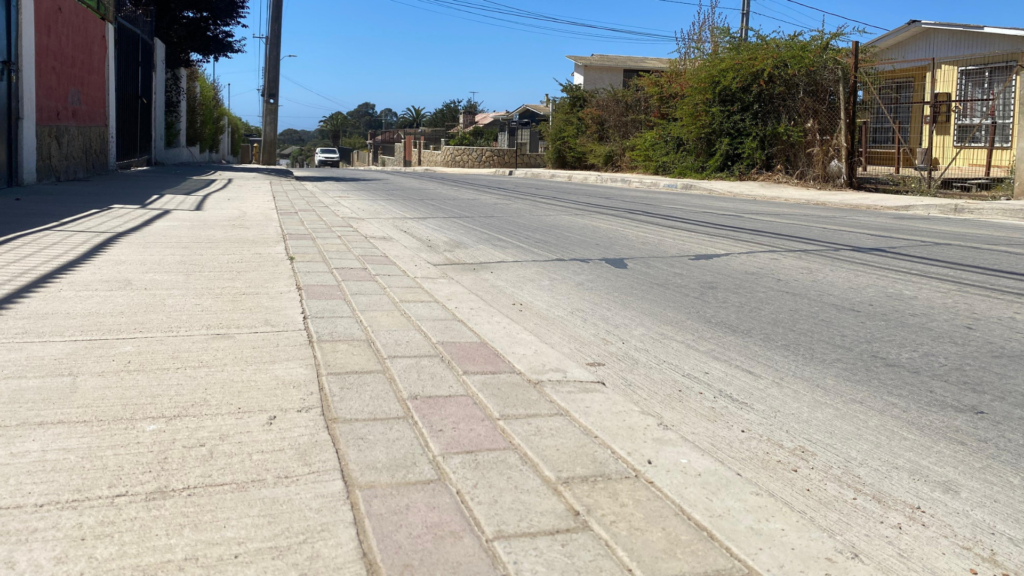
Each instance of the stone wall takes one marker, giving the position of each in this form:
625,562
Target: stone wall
468,157
390,161
431,158
70,152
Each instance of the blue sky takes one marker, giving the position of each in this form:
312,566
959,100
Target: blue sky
394,54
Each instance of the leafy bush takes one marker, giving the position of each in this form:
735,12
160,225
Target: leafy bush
727,108
477,137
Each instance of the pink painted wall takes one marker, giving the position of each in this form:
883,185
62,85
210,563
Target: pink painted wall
71,65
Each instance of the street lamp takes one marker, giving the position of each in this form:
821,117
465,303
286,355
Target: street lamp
289,56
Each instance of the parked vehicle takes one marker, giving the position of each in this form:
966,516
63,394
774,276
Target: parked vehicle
327,157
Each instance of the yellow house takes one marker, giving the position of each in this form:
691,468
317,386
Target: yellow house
948,97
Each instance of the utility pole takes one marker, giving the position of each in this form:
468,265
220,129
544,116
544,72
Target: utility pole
268,152
745,20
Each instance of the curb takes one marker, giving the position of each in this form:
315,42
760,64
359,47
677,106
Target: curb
990,210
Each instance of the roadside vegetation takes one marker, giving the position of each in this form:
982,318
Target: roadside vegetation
772,105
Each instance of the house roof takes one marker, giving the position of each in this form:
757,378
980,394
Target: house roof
288,151
630,62
538,108
915,27
481,120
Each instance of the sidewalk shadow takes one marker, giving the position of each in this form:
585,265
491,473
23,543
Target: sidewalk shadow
47,231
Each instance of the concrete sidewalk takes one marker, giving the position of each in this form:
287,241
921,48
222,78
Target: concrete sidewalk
229,372
161,406
996,210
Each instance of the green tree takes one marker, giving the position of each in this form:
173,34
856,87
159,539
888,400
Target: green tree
334,124
413,117
197,31
363,116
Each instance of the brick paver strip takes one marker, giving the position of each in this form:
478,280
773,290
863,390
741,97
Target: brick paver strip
381,452
399,343
428,376
322,292
421,529
378,260
457,424
363,397
336,329
316,278
476,358
362,287
448,331
412,295
427,311
372,302
348,357
506,495
353,274
328,308
564,451
573,554
400,282
317,266
655,538
393,320
510,396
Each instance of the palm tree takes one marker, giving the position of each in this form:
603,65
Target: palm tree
414,116
334,124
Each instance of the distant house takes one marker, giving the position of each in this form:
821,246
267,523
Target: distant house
483,120
610,71
972,74
532,114
520,126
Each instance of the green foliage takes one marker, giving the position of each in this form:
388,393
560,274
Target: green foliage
412,117
334,125
477,137
449,113
173,92
772,104
206,113
198,31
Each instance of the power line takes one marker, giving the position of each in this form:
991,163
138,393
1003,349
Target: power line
740,10
307,89
558,33
786,21
482,10
837,15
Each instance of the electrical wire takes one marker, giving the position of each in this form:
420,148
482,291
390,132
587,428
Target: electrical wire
516,26
740,10
483,10
310,90
837,15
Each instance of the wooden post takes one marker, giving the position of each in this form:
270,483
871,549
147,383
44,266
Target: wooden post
896,139
419,155
851,119
931,126
991,138
864,131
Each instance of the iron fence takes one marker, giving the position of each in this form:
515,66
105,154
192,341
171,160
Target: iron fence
927,125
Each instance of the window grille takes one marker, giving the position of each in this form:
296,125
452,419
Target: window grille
893,105
976,88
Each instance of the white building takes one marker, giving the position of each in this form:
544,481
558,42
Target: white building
610,71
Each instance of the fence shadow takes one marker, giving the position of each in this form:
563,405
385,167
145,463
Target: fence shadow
48,231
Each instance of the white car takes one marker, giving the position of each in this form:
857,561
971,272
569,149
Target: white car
327,157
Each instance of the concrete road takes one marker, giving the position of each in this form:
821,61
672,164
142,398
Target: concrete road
864,367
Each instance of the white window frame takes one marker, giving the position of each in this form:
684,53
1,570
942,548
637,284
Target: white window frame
972,114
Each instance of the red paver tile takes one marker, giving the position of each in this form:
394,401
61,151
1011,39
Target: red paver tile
476,358
323,292
421,529
457,424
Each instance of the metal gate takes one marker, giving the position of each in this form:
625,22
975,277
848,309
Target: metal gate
133,84
925,125
7,69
